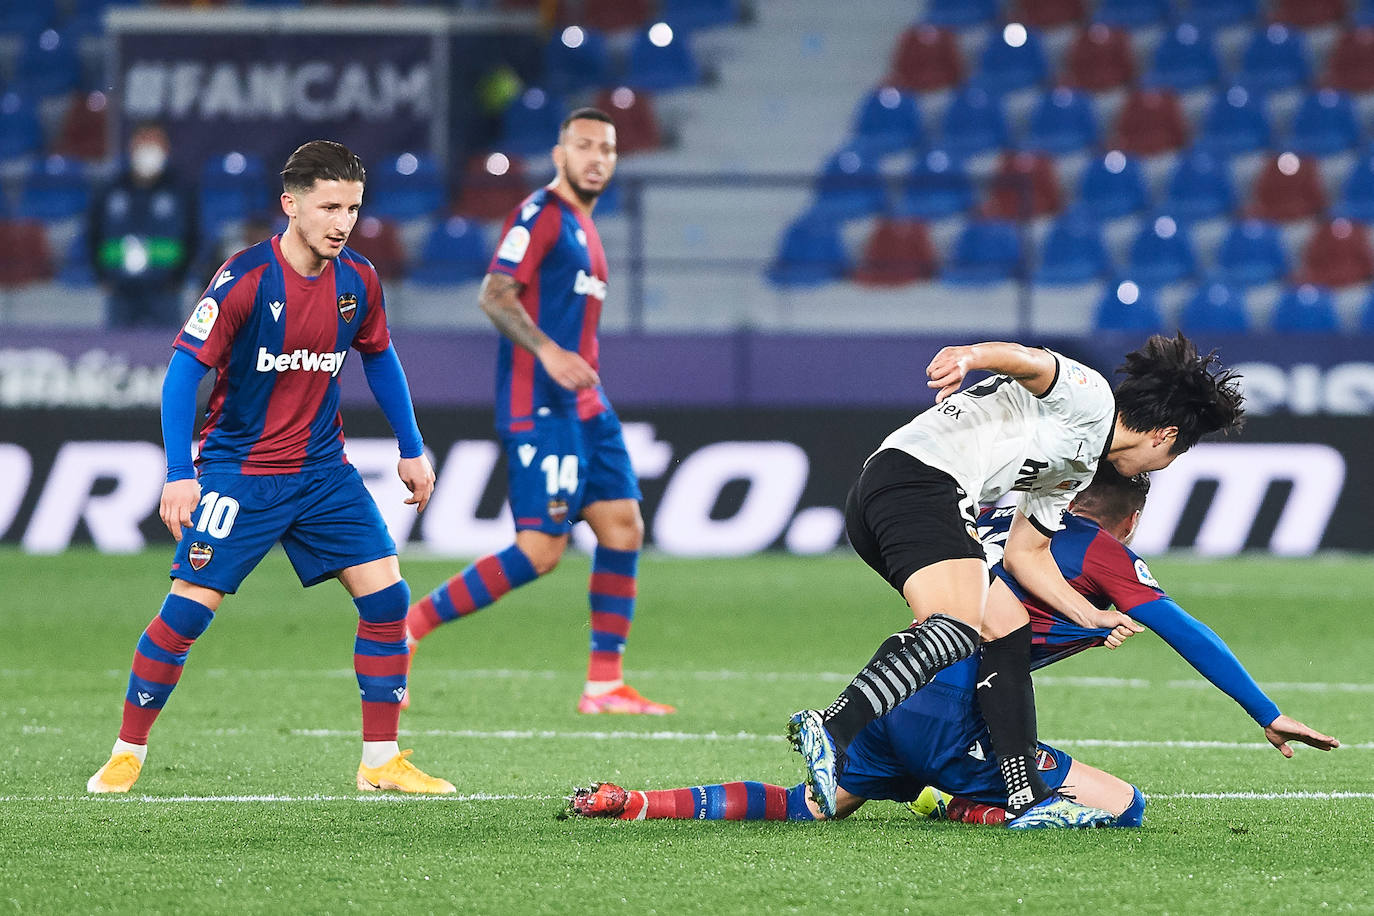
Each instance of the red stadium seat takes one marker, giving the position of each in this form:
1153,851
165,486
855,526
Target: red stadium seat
1288,188
1151,122
899,251
1337,255
1100,58
1351,64
608,15
1026,185
24,254
1308,13
927,57
636,125
379,241
83,133
1048,14
493,185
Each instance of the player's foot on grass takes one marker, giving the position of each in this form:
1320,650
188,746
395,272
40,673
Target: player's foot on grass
118,774
806,731
400,775
605,799
931,803
1058,811
623,700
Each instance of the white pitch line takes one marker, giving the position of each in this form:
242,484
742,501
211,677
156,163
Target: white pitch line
1263,796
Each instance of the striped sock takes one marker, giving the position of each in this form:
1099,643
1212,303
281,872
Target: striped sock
731,801
474,588
612,595
967,811
158,661
381,659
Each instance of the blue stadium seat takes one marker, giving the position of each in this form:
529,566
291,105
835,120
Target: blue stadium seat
850,185
1367,316
1128,305
937,187
1217,308
662,59
1161,253
27,17
1063,122
960,14
1012,59
232,187
577,58
74,268
700,14
21,134
888,120
1200,187
1306,309
973,122
1073,250
454,252
811,253
987,251
406,186
1325,124
1235,123
58,188
1184,60
1218,14
529,125
50,64
1252,253
1357,197
1113,185
1132,14
1276,58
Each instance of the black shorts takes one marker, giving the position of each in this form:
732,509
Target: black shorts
903,515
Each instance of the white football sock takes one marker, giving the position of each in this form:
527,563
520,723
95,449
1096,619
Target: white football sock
596,688
376,753
138,750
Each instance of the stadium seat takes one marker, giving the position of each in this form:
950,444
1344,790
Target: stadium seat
529,125
1161,253
1288,188
961,14
1200,187
1151,122
24,254
1235,123
1325,124
27,17
1305,309
56,189
232,187
898,252
1128,305
406,186
661,59
986,251
850,185
1367,316
1219,14
1063,122
700,14
1252,253
1012,59
492,186
1132,14
1048,14
21,134
1357,197
811,253
1025,186
613,15
82,133
49,64
973,122
1306,14
1216,308
887,121
1073,251
1337,255
1184,60
1350,66
636,124
379,240
1100,58
454,252
577,58
1113,185
926,58
1276,58
937,187
74,268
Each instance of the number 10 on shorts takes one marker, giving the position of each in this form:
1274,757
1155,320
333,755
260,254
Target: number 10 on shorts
217,514
560,473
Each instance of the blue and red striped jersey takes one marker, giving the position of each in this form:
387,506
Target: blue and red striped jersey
554,251
277,342
1097,565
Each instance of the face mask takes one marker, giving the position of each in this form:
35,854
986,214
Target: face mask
147,160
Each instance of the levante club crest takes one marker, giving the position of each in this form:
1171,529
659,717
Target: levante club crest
199,555
348,305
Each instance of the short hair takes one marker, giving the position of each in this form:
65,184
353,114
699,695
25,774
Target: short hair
321,160
1112,498
1169,384
583,114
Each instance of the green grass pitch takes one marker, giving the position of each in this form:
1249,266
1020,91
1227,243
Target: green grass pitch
247,802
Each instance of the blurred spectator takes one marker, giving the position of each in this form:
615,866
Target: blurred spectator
142,233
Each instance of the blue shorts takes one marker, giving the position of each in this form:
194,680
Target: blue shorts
563,464
937,738
325,519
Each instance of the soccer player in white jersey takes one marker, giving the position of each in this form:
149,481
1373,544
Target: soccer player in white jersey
1039,426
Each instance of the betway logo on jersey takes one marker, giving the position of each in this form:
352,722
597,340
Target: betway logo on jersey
584,285
304,360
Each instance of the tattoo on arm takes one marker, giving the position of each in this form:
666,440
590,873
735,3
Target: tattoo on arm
500,299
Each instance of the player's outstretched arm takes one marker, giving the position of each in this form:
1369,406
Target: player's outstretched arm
500,299
1034,368
181,493
1285,729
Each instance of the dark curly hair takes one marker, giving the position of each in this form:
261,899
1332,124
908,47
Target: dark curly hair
1112,497
1169,384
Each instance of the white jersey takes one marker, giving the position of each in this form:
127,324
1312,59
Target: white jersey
996,437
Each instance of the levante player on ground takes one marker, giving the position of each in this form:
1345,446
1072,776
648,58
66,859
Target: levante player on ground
276,324
566,456
938,738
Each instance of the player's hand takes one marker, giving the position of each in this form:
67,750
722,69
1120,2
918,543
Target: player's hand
948,369
418,476
179,501
1123,627
1285,729
567,368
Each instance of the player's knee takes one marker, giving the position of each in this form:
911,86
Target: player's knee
386,606
542,550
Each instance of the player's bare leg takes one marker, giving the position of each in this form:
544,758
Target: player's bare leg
1086,784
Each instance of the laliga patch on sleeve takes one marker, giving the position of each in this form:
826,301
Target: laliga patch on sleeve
514,245
202,318
1142,572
